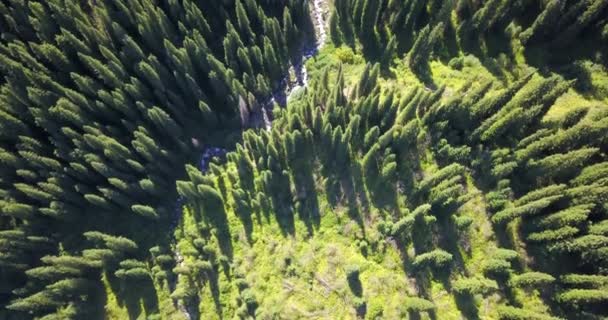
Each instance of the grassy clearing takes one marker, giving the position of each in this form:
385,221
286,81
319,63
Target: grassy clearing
304,276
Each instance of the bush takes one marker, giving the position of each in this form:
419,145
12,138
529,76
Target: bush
531,280
375,309
415,304
584,296
435,259
456,63
584,280
497,267
345,55
462,222
506,254
474,286
513,313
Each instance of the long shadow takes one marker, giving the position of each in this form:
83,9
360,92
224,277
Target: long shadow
307,202
133,299
508,291
333,190
358,185
285,219
348,187
215,290
244,211
466,304
448,239
495,42
355,285
224,239
192,306
449,236
423,281
281,200
95,307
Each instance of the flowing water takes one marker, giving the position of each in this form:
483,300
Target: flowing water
280,96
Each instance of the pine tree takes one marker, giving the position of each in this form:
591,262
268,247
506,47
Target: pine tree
544,21
475,286
435,259
531,280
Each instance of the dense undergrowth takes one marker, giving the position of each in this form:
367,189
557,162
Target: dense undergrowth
446,161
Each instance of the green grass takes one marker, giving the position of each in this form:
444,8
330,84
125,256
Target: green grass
302,276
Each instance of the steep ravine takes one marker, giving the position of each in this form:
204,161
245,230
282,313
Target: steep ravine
280,96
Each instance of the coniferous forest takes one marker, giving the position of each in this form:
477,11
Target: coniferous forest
303,159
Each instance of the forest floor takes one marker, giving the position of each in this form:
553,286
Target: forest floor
304,276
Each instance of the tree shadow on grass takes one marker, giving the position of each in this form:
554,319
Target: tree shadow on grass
306,199
548,58
243,212
465,302
346,187
143,300
95,308
449,237
509,293
214,286
279,192
354,212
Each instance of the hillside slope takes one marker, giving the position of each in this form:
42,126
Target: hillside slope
348,159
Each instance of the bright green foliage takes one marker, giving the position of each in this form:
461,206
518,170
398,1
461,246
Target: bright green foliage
474,286
418,304
531,208
514,313
434,259
580,297
584,280
497,267
433,142
534,280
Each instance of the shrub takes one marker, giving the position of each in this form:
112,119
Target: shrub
531,280
474,286
462,222
506,254
513,313
584,280
584,296
436,259
497,267
345,54
415,304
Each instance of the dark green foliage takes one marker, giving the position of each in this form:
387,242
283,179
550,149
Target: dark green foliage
419,55
406,25
532,208
105,105
100,100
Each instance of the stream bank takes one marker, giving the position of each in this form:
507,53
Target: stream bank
263,118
